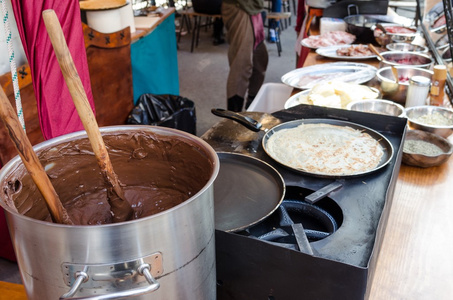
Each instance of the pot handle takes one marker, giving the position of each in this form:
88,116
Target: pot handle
350,7
143,269
241,119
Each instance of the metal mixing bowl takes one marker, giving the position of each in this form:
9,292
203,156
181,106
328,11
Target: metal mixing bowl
419,157
406,47
446,55
414,114
397,91
378,106
399,58
386,38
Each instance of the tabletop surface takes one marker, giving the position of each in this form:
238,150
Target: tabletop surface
415,259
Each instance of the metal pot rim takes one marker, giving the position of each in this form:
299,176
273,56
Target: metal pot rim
14,162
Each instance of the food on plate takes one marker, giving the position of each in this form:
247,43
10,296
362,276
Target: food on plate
337,94
399,29
439,22
312,80
403,79
413,60
422,147
331,38
435,119
355,51
326,149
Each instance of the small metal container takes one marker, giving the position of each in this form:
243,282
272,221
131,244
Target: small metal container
406,47
378,106
402,58
394,91
414,113
386,38
417,158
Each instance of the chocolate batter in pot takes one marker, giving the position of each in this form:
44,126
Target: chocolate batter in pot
158,172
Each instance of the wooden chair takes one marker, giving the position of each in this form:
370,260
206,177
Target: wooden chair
278,17
189,14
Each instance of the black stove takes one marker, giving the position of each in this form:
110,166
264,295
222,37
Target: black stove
318,220
321,249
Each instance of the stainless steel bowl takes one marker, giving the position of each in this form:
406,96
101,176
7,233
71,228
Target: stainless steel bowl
416,151
361,27
444,129
442,43
398,58
446,55
386,38
407,47
438,29
378,106
398,91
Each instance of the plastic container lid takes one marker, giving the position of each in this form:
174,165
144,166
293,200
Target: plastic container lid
420,81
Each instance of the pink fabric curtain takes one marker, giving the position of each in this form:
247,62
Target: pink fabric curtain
57,113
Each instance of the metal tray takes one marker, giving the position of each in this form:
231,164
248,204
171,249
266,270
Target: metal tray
342,71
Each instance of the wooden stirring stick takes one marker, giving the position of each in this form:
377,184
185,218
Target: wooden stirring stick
31,161
372,48
381,58
120,208
395,74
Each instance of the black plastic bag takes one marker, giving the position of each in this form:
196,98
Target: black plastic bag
164,110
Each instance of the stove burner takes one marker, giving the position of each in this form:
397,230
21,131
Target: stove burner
319,221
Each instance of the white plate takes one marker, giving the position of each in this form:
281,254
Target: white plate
340,71
331,52
304,43
295,100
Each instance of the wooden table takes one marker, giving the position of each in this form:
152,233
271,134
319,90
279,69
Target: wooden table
415,260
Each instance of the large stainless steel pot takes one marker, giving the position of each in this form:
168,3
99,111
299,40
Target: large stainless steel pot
168,255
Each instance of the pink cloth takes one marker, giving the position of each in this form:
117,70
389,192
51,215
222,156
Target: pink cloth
258,29
6,247
57,113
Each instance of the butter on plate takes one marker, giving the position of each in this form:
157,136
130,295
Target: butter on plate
337,94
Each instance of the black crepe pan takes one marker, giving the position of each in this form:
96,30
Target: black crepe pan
246,191
256,126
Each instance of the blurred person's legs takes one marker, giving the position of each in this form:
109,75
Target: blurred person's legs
260,61
247,65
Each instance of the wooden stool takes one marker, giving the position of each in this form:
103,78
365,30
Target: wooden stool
277,17
312,12
197,17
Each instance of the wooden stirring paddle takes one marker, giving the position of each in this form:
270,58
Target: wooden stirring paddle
31,161
120,208
395,74
372,48
381,58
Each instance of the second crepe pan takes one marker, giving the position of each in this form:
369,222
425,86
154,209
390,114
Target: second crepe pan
246,191
256,126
